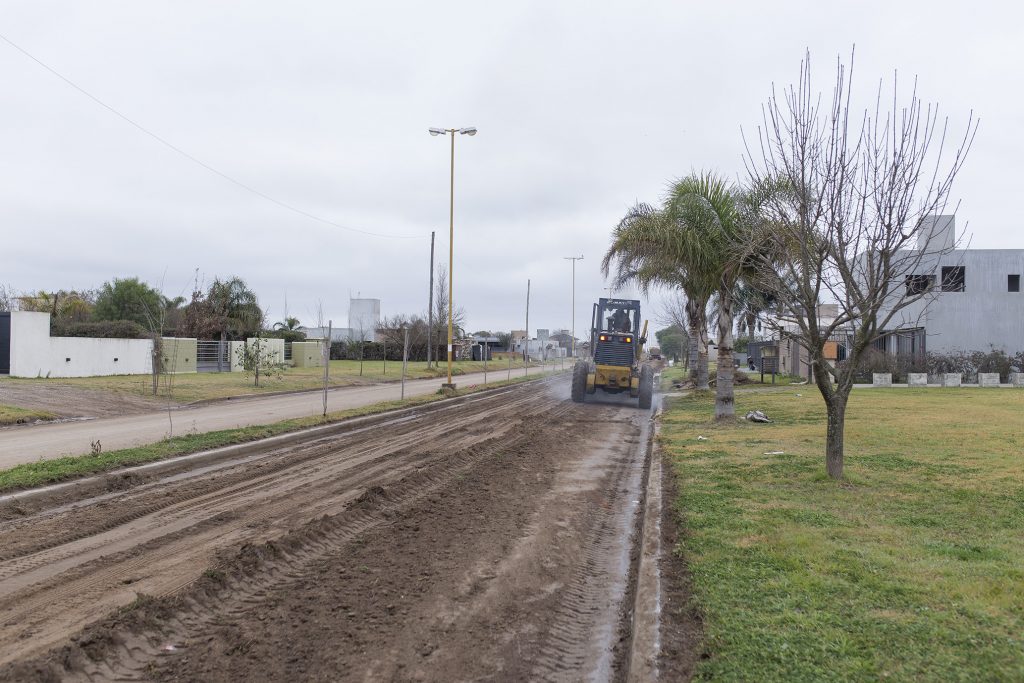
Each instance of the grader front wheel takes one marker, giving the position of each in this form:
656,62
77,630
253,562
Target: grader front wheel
579,382
646,386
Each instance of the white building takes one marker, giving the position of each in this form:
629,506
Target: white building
363,319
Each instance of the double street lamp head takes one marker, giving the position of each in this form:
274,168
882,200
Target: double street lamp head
469,130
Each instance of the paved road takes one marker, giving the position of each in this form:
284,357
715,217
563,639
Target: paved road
21,444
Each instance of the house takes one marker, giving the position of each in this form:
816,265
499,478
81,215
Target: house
974,300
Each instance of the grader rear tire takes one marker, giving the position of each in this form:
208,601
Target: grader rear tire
646,387
579,382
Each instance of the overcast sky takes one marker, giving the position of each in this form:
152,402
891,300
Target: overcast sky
583,109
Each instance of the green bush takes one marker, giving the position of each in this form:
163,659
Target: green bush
106,329
880,361
970,363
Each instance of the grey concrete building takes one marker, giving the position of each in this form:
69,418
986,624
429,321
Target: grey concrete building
975,300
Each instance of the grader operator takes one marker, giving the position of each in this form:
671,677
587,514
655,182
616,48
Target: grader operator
616,343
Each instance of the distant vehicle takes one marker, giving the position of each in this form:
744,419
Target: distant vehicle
617,343
654,353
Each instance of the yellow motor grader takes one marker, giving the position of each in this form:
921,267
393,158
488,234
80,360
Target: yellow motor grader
616,346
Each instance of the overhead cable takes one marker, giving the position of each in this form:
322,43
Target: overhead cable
193,159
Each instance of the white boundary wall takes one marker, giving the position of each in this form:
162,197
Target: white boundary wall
34,353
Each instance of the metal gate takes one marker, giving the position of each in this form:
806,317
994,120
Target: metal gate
212,356
5,343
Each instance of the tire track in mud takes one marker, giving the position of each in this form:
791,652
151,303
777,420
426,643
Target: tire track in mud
491,545
275,565
580,640
13,544
224,509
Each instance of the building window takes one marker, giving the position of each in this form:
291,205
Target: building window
953,278
919,284
1013,283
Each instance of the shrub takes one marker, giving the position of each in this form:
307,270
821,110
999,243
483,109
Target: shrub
899,365
970,363
375,351
106,329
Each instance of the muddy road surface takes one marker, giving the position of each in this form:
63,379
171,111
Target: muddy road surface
489,539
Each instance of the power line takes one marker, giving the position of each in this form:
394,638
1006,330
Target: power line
191,158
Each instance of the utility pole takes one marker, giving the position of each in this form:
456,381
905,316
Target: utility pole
574,259
430,306
526,342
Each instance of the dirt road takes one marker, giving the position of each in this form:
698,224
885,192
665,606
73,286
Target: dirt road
28,443
484,541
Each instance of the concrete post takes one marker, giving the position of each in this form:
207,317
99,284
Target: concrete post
988,379
951,379
917,379
881,379
1017,379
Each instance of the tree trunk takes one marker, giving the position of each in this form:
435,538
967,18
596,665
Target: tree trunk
220,350
836,409
697,319
702,353
725,403
836,397
157,362
693,334
692,344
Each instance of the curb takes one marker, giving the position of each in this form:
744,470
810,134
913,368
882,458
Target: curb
646,626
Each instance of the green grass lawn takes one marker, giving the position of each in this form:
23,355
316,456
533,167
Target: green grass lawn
13,415
680,372
912,569
187,388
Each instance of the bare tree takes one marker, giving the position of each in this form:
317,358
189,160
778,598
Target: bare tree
392,330
851,198
8,298
441,309
673,313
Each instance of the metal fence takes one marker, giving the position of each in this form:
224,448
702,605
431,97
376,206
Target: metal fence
212,356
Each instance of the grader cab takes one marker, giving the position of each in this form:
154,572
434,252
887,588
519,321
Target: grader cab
616,343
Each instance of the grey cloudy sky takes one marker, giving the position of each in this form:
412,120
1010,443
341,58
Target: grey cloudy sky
583,108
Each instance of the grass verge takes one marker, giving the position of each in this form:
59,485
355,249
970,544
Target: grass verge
204,386
911,569
743,378
44,472
10,415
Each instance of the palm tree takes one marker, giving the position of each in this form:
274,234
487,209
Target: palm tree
289,324
697,241
648,249
234,309
709,209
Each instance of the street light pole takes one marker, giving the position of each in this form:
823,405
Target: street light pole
451,238
451,261
574,259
